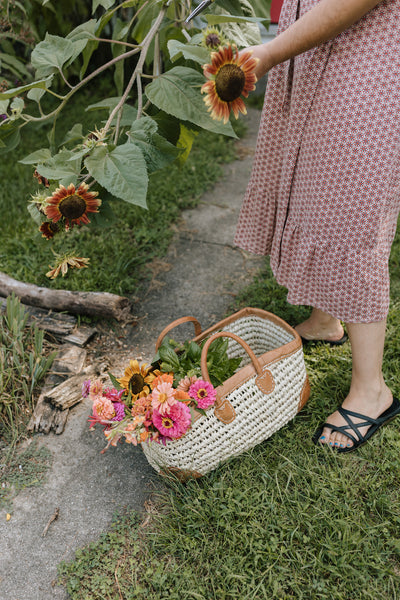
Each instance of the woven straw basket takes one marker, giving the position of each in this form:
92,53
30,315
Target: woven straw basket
266,392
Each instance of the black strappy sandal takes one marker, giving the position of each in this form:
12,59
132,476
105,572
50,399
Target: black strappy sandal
374,424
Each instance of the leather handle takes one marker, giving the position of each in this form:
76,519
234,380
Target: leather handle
197,328
204,370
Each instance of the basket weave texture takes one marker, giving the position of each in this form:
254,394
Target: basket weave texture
250,406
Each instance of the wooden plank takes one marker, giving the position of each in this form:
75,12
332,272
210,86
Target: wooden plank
80,336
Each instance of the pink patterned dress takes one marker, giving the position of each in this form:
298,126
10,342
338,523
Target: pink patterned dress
324,193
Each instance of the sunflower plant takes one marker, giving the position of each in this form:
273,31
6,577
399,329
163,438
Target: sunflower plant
149,120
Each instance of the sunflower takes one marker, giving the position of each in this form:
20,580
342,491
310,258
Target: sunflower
213,38
72,204
137,379
229,76
49,229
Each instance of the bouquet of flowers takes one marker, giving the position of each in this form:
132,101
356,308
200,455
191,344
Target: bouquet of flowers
158,402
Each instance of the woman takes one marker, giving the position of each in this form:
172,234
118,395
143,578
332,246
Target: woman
324,193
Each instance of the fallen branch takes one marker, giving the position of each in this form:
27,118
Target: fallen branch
82,303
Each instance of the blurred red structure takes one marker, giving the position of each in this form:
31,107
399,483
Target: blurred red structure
276,6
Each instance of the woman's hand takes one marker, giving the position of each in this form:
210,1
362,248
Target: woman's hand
262,54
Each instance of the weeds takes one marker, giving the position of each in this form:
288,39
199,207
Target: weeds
23,364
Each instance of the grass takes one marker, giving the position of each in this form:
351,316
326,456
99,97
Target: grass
285,521
119,252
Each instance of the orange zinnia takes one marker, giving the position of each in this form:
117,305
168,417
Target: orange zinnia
72,204
229,76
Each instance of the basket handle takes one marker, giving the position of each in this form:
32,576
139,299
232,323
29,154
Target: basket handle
197,328
204,370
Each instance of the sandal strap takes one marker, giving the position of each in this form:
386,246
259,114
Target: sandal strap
341,429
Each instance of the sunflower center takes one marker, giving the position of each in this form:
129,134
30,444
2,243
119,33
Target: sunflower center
229,82
136,383
167,423
72,207
212,40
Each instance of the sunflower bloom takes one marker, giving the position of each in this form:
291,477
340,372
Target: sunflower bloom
72,205
229,77
49,229
64,262
137,379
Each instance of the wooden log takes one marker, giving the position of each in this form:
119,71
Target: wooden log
67,394
83,303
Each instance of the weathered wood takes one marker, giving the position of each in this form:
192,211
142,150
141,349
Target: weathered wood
84,303
81,335
66,394
46,417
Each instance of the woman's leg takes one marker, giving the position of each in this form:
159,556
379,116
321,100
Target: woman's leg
368,395
320,326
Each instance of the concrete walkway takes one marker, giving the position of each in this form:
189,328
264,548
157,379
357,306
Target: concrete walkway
199,276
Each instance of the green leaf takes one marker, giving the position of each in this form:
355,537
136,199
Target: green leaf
35,213
122,172
157,151
177,92
64,167
3,106
185,142
14,64
104,3
217,19
129,113
80,36
51,54
37,157
23,88
36,94
168,355
114,381
73,134
9,138
197,53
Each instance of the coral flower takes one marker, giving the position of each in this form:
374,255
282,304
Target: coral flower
203,392
49,230
230,76
137,379
95,388
72,204
163,397
162,377
141,406
186,382
103,408
174,424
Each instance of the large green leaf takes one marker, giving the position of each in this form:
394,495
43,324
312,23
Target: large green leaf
122,172
157,151
37,157
80,36
218,19
64,167
104,3
23,88
177,92
189,51
51,54
185,142
9,138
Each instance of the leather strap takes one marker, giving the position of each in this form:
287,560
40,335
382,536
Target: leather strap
197,328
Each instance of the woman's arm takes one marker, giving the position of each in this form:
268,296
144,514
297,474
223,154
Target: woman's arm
323,22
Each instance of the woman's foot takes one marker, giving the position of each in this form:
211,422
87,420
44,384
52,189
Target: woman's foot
369,404
320,326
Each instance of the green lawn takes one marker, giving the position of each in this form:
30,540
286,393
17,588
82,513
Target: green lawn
284,521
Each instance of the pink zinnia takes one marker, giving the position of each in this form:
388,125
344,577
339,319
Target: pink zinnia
119,410
103,408
96,388
203,392
163,397
85,388
175,423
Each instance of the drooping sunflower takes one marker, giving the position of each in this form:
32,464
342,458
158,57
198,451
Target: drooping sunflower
229,77
72,204
64,262
137,379
49,229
